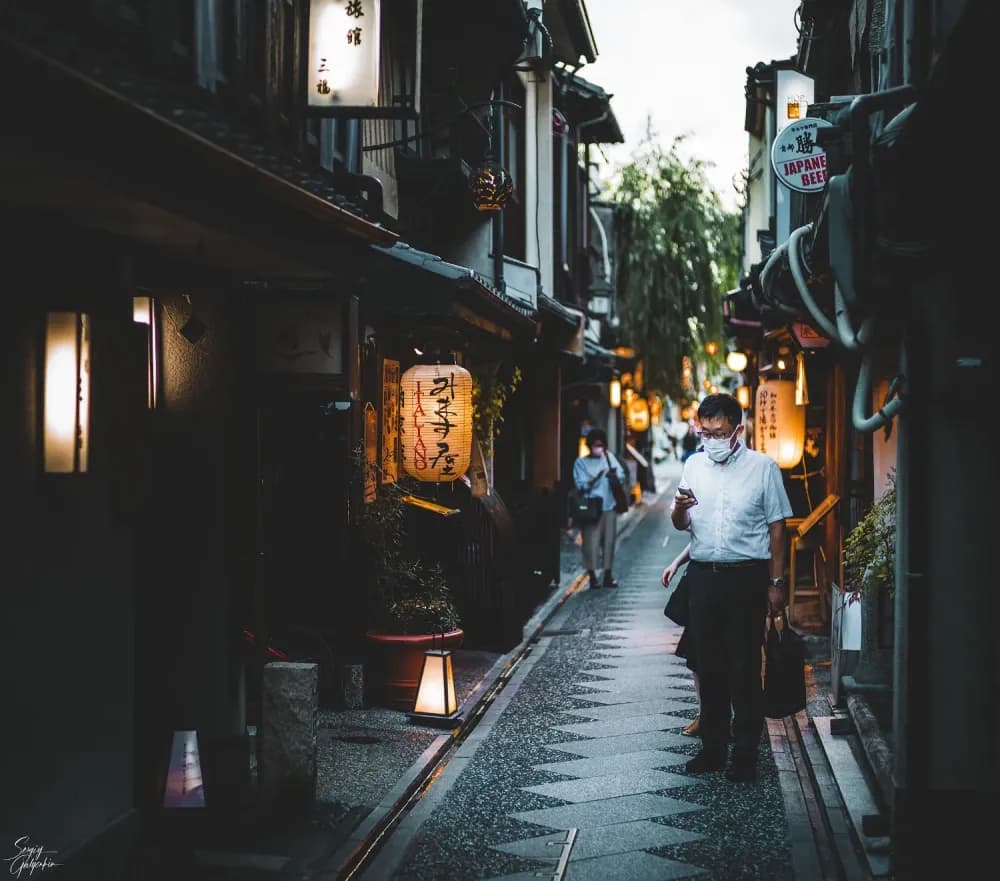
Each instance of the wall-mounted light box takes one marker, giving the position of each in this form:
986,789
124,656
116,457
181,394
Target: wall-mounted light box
66,406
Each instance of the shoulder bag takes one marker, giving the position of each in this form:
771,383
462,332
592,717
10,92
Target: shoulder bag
585,510
677,608
617,490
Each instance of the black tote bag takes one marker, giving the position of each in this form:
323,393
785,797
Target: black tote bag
784,669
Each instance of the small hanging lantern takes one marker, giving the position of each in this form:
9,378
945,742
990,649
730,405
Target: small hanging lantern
638,414
615,392
711,348
436,421
743,396
66,414
779,425
491,185
436,699
736,361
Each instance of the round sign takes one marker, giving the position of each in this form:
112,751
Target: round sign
798,161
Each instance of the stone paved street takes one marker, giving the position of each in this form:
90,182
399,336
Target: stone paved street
586,736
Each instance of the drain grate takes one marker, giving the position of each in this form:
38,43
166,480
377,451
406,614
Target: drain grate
557,632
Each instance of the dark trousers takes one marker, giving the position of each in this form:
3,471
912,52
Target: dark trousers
728,608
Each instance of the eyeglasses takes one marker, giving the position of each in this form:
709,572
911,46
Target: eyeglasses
715,435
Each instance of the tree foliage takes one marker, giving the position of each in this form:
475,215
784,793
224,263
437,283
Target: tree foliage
678,252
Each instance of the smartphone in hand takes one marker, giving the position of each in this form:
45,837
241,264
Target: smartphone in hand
687,491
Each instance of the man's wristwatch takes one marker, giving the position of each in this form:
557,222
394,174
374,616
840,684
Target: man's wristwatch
779,583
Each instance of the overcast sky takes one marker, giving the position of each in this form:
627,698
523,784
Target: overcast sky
684,63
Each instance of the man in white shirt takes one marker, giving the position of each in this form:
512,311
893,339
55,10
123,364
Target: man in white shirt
733,502
590,477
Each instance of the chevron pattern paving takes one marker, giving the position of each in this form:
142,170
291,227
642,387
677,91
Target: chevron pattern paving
620,762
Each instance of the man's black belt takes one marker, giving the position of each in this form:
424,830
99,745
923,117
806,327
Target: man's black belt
718,566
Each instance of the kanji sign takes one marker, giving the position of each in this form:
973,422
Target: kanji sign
798,161
390,421
371,452
779,424
436,424
343,53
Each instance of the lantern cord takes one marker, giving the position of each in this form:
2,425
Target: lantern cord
466,109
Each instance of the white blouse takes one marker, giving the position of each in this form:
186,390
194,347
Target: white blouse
736,501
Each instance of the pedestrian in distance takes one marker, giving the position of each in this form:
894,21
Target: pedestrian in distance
684,648
733,502
689,443
590,476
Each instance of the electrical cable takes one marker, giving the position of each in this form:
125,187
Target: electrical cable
466,109
795,264
890,407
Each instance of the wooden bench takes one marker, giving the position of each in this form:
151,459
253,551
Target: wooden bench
803,535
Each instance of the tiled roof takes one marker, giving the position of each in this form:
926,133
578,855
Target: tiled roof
184,108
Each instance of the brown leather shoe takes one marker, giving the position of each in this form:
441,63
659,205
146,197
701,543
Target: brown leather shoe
691,729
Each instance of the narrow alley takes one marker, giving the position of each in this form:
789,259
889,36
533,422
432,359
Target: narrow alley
576,769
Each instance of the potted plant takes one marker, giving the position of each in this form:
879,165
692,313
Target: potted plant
870,580
870,548
411,606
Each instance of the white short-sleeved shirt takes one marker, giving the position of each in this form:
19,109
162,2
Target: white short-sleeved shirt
737,500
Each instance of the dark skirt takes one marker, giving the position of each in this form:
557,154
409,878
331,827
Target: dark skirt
685,649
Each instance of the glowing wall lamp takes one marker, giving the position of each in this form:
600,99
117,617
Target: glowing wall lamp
743,396
66,439
615,392
436,699
736,361
779,425
144,312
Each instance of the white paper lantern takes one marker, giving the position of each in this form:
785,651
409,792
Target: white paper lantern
779,425
436,421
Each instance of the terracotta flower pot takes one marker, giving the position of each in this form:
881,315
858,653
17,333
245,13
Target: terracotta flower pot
396,662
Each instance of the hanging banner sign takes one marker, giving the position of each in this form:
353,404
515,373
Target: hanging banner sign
798,161
390,421
371,452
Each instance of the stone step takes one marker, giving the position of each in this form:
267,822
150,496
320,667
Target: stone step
855,789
